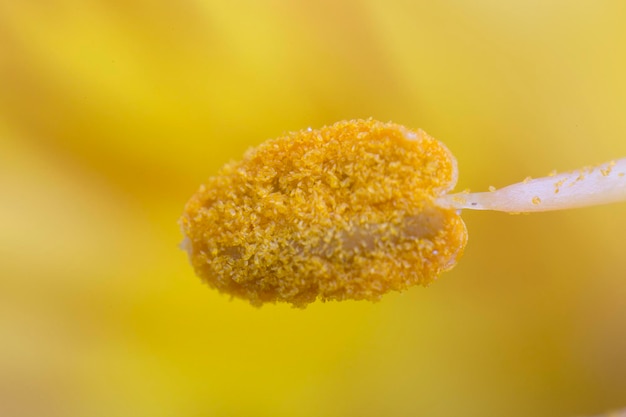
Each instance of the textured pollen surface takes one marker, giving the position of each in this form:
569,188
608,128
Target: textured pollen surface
343,212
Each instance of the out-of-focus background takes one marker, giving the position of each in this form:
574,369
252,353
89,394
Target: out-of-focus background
113,112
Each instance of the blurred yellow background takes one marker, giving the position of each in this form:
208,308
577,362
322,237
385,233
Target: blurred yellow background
112,113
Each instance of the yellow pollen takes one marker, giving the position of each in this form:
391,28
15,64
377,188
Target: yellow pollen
343,212
558,184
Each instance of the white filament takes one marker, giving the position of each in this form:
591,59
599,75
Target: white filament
588,186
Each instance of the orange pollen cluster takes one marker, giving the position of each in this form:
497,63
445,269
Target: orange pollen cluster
343,212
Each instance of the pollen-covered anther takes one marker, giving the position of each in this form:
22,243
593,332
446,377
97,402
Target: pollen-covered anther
344,212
